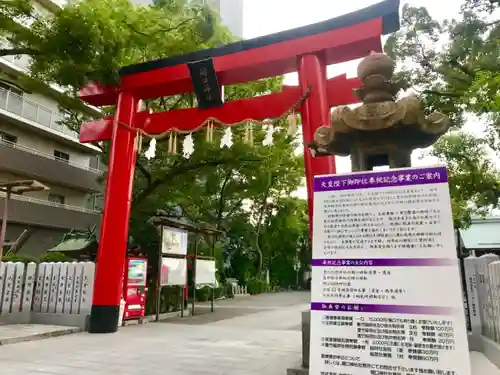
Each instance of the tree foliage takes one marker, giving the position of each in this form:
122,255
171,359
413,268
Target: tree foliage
92,39
454,65
284,243
238,190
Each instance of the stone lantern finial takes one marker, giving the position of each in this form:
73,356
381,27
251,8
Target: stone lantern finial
382,130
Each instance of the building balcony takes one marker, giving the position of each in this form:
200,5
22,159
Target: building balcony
54,5
37,212
37,165
32,111
19,64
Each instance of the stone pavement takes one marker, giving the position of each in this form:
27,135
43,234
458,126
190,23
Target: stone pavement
482,366
265,342
247,336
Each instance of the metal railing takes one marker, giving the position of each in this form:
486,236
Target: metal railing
49,156
60,3
25,198
32,111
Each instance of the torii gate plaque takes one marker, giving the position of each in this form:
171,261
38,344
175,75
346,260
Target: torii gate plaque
306,50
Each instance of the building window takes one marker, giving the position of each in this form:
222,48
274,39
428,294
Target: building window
56,198
99,202
62,156
95,202
10,88
90,202
8,139
94,162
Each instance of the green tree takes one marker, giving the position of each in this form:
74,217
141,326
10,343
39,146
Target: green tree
285,240
90,40
454,65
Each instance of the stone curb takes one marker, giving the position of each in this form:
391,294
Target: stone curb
152,318
40,336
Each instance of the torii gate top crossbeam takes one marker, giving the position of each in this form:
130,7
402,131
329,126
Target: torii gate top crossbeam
338,40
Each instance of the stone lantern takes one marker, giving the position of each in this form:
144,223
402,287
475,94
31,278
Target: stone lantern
383,130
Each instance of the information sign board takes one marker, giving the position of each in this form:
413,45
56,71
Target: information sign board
174,271
386,289
205,272
174,241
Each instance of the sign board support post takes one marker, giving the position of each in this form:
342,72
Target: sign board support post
212,302
214,239
181,300
184,293
158,279
194,274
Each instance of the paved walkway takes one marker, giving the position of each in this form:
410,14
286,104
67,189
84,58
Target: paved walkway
247,336
482,366
265,341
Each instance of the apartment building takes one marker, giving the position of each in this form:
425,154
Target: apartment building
231,14
230,11
34,146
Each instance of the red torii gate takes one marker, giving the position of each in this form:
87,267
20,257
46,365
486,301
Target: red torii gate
307,50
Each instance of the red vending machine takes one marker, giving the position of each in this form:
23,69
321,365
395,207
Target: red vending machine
134,288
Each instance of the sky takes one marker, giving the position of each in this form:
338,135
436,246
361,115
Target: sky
263,17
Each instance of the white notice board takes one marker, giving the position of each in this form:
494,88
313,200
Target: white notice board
386,289
176,270
174,241
205,272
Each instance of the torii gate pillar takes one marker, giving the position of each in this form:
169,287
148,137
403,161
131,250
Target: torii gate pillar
315,113
114,231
